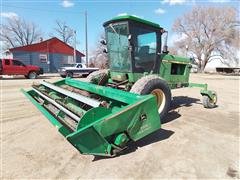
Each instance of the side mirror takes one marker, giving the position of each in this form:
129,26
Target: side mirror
105,50
165,46
103,42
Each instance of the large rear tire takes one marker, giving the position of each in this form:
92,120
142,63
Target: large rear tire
98,77
153,84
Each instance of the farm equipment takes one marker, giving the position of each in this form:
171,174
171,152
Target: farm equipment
95,119
122,104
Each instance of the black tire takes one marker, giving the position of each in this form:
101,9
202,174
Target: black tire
98,77
69,74
63,76
32,75
153,84
208,102
84,75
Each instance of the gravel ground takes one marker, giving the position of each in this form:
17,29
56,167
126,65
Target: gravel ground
194,143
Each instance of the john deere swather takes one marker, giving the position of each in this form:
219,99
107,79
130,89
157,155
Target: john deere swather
122,104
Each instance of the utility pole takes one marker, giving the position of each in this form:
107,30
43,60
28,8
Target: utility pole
86,39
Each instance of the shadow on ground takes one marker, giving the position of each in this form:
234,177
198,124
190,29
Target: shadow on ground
157,136
177,102
161,134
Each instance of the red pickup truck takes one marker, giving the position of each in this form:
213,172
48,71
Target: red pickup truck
15,67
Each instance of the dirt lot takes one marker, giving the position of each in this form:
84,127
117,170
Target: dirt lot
194,143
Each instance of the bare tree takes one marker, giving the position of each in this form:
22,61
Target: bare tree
173,50
207,30
63,31
100,58
231,52
17,32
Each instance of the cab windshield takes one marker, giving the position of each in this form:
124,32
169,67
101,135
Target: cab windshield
118,51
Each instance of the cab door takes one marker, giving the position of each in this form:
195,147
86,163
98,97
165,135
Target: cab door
7,68
146,47
19,68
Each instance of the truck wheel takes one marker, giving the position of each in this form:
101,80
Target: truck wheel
32,75
98,77
69,74
208,102
152,84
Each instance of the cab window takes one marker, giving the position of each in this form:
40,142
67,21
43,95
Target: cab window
7,62
79,66
145,50
18,63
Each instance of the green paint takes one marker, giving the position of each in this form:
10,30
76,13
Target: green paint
98,127
121,139
121,116
170,57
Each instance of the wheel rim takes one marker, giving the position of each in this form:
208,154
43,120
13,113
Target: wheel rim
161,99
32,75
214,99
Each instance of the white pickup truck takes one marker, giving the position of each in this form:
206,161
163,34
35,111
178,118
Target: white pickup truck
70,70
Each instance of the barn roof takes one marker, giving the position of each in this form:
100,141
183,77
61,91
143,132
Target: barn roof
53,45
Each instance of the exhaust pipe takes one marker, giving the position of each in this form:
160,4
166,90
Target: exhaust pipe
165,47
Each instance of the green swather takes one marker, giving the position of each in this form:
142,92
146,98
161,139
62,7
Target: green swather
126,102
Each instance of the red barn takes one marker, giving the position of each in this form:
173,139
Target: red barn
50,54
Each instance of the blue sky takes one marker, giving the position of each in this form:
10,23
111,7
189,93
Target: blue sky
45,12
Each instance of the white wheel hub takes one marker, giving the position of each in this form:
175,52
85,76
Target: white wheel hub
161,99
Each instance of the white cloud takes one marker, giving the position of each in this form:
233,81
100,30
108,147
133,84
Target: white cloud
10,15
174,38
67,3
173,2
159,11
122,14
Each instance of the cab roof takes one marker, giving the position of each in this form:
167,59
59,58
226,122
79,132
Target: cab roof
133,18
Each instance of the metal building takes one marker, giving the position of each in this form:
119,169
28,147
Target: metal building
50,54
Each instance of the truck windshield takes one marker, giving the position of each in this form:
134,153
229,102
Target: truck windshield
118,51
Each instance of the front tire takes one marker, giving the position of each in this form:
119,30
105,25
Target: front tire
32,75
208,102
69,74
152,84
